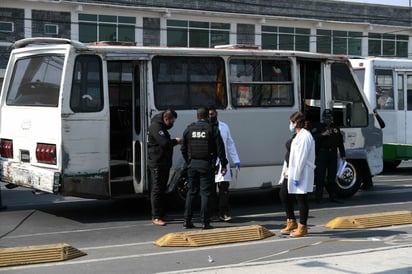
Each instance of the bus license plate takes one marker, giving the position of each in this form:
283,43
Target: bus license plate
25,156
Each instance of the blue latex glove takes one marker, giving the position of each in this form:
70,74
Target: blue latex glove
237,165
296,183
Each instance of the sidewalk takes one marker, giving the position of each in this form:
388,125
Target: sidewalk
388,260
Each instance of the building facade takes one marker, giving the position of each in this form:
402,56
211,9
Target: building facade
309,25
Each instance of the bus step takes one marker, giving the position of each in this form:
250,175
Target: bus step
122,186
121,179
119,169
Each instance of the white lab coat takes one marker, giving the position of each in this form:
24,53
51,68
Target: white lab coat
301,164
230,149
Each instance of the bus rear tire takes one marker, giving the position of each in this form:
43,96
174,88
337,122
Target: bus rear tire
349,183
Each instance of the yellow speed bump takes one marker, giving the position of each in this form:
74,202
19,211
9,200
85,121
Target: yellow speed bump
38,254
215,236
372,220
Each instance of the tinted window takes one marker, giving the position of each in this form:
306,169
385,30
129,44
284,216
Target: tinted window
189,82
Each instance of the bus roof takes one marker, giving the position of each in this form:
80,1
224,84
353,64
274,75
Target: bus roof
127,47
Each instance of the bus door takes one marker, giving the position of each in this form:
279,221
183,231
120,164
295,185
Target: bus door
140,118
127,131
404,87
85,130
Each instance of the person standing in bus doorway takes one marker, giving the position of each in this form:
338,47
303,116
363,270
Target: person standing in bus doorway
201,146
297,176
223,181
329,140
160,154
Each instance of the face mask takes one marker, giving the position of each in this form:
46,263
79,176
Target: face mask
213,119
291,128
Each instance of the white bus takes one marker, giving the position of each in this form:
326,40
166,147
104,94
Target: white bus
74,117
387,84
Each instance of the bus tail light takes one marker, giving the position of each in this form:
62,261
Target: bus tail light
46,153
6,148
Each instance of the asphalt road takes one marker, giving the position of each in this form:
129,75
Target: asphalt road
117,236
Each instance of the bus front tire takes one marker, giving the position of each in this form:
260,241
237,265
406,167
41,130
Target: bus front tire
349,183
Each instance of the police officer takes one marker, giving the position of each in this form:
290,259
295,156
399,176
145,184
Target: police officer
160,152
201,146
328,140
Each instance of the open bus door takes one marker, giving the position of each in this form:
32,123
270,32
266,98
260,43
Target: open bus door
85,131
140,118
128,128
404,113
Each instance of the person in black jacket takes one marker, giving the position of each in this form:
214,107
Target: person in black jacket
160,154
201,146
329,140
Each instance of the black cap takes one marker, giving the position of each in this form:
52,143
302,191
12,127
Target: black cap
327,112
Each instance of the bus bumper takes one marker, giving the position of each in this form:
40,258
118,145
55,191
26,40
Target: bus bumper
24,175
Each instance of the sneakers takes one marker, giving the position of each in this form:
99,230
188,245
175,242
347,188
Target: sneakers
159,222
225,218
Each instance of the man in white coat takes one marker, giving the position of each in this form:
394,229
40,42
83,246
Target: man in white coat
224,181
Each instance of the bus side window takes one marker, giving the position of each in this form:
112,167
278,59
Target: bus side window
87,90
275,95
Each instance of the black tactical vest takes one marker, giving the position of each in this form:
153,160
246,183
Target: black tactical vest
199,140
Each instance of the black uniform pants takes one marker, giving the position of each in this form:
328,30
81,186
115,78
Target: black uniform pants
201,180
288,202
223,198
159,177
326,165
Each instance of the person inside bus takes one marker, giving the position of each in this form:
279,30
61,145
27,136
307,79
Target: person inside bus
389,103
201,146
223,181
329,140
297,177
160,155
384,99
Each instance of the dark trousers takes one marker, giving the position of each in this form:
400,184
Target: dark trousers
159,177
223,198
288,202
1,203
326,165
201,180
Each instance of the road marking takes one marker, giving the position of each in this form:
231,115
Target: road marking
72,231
390,240
115,258
116,246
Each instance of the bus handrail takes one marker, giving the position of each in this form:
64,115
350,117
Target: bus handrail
47,40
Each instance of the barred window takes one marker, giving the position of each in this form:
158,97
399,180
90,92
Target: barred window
197,34
94,27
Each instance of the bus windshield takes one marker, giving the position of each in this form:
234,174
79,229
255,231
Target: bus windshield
36,81
347,100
